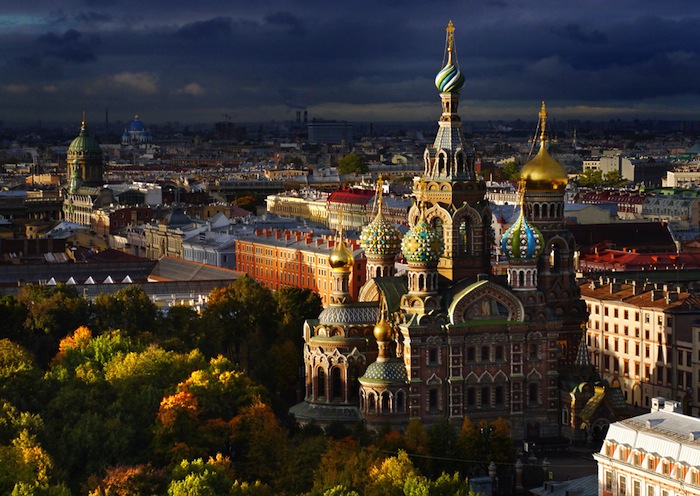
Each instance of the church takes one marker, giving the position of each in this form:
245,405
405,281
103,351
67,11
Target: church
449,339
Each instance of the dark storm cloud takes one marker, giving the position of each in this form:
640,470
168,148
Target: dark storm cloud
71,46
183,61
289,22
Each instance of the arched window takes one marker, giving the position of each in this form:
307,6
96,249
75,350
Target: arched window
321,382
399,402
463,236
336,384
433,400
371,405
386,407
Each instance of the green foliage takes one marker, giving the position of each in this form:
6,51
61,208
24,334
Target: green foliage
14,314
590,178
510,171
352,163
129,310
54,312
199,478
247,202
613,179
18,375
179,329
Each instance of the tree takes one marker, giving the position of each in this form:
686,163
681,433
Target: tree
134,480
613,179
247,202
129,310
352,163
510,171
54,312
199,478
240,322
179,329
389,476
590,178
19,376
14,314
343,464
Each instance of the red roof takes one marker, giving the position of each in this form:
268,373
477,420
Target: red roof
352,196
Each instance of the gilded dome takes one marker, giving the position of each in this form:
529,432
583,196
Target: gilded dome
340,257
543,173
522,241
84,144
422,243
380,237
382,331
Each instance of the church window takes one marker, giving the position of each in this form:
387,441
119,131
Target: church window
471,354
471,397
485,397
532,394
400,402
485,353
499,396
432,356
433,399
337,384
463,236
385,402
499,353
321,381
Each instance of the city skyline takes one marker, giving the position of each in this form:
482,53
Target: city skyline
355,61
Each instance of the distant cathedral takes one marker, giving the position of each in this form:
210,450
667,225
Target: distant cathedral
84,192
448,339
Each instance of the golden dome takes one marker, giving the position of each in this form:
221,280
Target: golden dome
382,331
341,258
544,173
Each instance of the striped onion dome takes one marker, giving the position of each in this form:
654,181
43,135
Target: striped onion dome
522,241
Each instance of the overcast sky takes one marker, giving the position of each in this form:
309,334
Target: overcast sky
258,60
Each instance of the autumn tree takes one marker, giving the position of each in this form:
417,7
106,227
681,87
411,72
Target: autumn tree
129,480
53,313
240,322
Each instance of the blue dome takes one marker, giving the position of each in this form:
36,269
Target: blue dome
522,241
136,125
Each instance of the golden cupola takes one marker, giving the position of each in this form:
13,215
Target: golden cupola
543,173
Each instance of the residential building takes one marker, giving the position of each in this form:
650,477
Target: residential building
654,454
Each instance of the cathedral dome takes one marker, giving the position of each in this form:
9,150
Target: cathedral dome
84,144
386,371
382,331
136,125
340,257
380,237
422,243
522,241
543,173
450,79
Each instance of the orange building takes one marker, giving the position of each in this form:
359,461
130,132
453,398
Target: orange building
277,259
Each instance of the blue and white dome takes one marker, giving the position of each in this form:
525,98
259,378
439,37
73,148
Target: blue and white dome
522,241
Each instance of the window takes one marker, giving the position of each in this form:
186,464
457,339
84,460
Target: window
485,397
471,397
499,353
615,314
433,399
636,488
605,310
608,481
622,486
470,354
498,396
636,316
485,353
432,356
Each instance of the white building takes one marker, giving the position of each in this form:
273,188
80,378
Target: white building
655,454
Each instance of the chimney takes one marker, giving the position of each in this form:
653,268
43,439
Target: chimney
671,296
278,233
657,403
673,406
635,290
656,294
615,286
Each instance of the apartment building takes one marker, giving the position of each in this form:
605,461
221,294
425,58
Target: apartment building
640,338
655,454
280,258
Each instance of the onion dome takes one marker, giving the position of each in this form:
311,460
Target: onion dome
450,79
380,237
422,243
543,173
340,257
382,331
84,144
522,240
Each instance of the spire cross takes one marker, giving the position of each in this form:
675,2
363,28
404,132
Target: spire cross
450,41
380,191
83,122
543,120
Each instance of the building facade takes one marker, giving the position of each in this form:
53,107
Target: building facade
446,339
655,454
